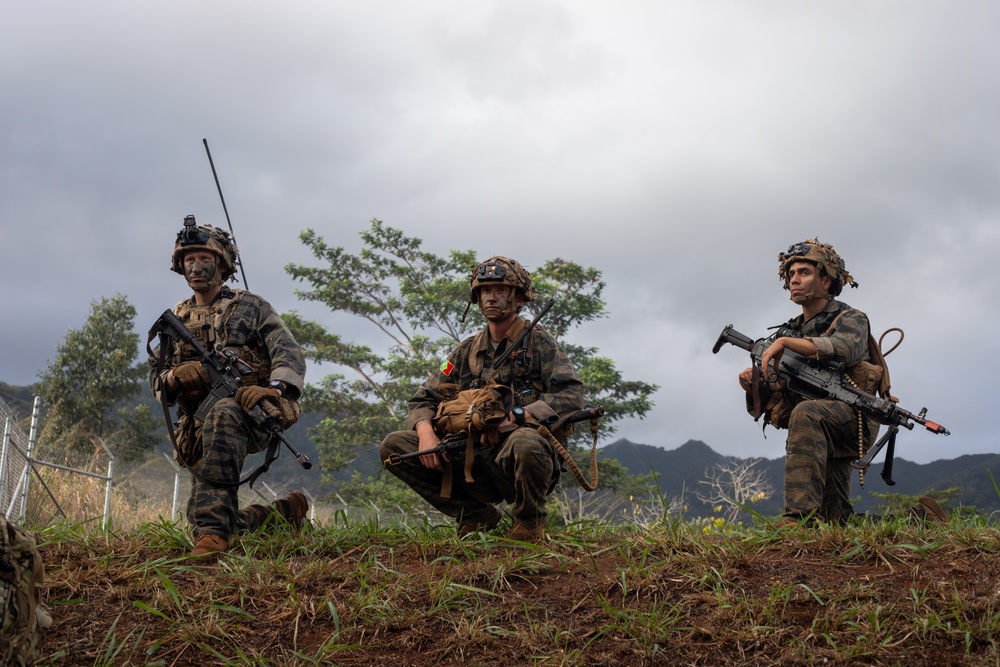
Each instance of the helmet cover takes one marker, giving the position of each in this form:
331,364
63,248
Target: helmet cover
823,257
205,237
498,270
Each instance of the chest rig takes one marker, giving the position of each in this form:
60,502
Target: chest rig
219,325
514,373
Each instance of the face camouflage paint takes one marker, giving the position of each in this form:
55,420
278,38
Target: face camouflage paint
200,270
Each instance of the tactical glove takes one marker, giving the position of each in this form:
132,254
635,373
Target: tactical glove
192,377
248,397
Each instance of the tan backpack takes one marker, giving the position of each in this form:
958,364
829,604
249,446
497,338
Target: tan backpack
470,411
25,620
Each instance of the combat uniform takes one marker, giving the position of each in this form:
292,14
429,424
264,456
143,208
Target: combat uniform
823,435
523,468
216,450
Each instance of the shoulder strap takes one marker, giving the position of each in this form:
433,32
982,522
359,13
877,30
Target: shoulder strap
223,310
875,355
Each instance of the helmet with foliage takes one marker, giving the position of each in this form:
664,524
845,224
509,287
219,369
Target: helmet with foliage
204,237
499,270
823,257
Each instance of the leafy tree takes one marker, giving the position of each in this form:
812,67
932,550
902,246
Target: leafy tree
418,301
95,372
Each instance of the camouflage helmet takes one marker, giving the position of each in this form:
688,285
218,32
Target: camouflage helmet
204,237
823,256
498,270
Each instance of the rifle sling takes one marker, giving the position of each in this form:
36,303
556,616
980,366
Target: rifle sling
447,471
758,408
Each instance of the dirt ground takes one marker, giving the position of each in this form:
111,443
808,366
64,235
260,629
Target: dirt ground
647,600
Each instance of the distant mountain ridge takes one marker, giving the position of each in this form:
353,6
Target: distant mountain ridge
681,469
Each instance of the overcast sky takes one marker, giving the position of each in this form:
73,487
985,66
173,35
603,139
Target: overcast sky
675,146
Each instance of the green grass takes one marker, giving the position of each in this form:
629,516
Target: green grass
376,592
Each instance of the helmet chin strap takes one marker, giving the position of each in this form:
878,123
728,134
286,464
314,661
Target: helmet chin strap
808,296
508,307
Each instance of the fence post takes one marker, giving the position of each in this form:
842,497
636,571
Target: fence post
107,488
312,506
3,458
274,496
177,486
36,410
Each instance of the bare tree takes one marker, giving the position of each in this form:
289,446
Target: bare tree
731,485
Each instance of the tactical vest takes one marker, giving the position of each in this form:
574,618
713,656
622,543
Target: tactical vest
515,373
214,326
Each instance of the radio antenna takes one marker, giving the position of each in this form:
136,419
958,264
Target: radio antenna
239,259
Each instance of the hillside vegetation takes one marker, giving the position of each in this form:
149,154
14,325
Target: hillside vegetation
892,593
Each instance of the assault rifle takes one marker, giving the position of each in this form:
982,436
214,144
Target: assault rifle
458,441
224,382
822,380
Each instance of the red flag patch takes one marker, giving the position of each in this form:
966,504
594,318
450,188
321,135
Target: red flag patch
447,367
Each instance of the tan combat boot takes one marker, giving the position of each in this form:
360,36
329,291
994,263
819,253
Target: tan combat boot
524,533
293,508
209,547
928,509
480,525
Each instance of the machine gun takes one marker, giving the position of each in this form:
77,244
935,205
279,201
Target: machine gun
820,380
221,365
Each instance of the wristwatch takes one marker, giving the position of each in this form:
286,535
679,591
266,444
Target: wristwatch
279,385
518,413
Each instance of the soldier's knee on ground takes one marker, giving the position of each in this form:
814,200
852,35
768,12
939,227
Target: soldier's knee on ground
254,516
928,509
293,508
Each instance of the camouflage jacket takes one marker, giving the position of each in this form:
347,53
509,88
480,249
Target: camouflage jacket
543,379
846,342
245,323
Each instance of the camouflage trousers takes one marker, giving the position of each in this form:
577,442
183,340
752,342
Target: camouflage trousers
521,470
822,443
227,436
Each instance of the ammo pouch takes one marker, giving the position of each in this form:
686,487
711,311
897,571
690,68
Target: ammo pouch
866,376
187,431
778,410
471,411
770,400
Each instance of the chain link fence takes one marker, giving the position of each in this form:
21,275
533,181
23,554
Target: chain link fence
14,466
42,481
